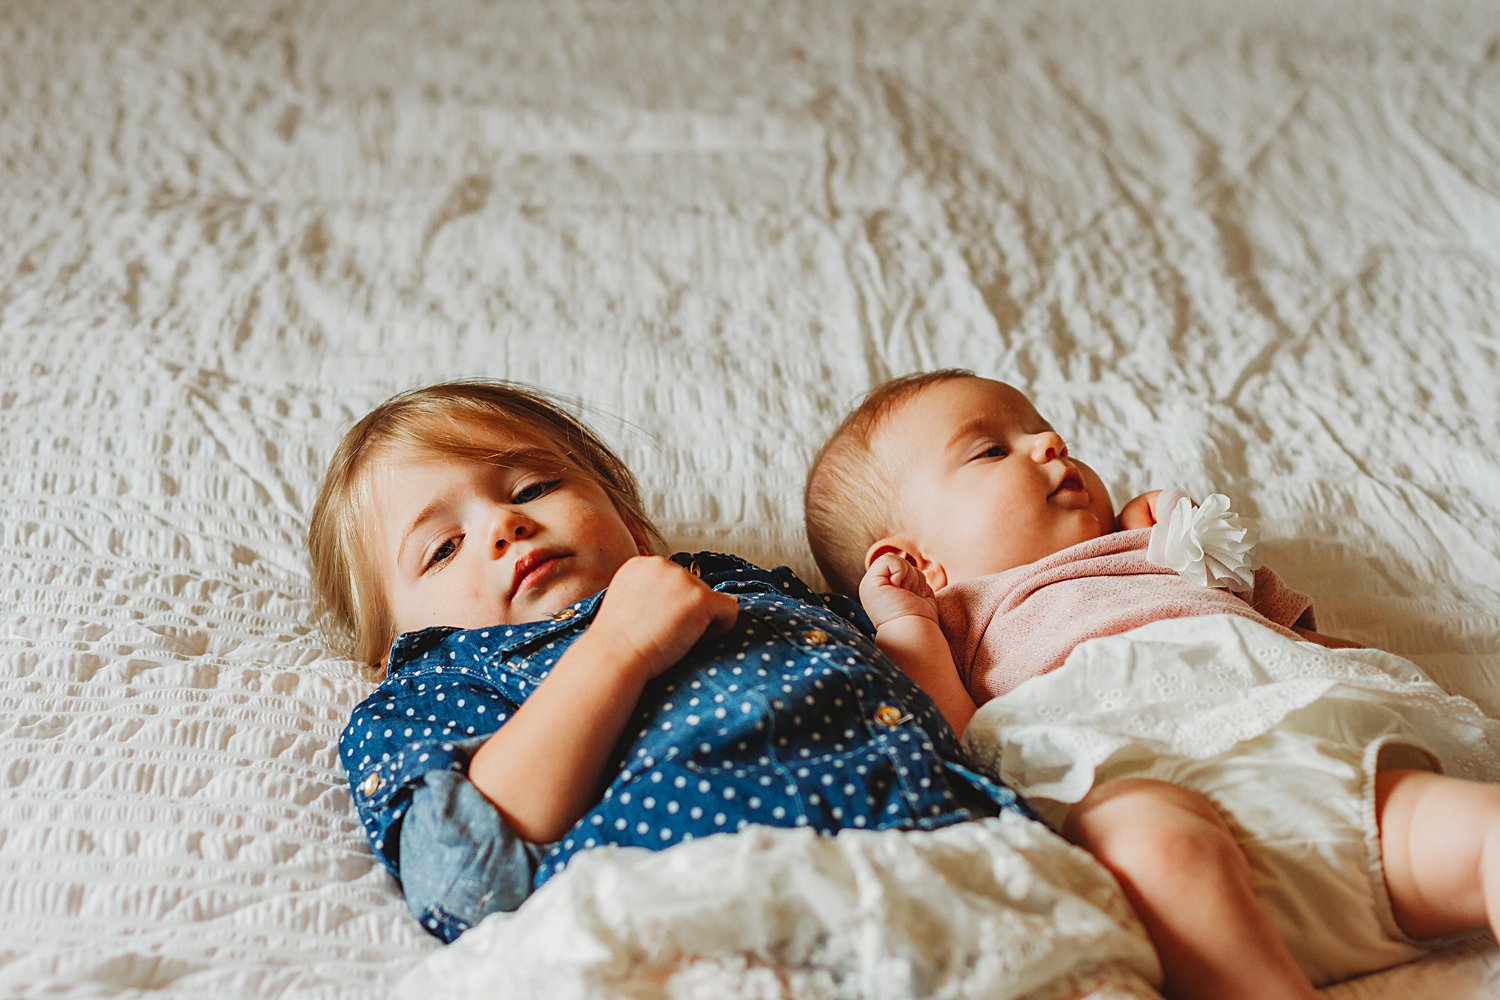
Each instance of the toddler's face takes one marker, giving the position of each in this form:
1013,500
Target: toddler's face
471,544
983,483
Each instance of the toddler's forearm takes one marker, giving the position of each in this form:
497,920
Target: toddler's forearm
542,769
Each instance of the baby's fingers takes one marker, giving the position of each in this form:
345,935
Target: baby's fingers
884,566
906,576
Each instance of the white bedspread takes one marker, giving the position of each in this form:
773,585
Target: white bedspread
1248,247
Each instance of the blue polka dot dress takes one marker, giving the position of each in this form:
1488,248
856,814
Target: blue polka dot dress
792,719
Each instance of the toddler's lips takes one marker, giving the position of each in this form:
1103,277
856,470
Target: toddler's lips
534,568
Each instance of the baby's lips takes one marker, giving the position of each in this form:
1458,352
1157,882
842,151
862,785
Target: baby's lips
1071,492
1072,479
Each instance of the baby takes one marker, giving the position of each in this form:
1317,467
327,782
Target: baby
550,685
956,512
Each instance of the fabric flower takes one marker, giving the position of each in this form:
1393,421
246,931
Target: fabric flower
1208,544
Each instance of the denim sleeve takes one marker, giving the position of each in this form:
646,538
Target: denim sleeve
404,731
848,609
460,861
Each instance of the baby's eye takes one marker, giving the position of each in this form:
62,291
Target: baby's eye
993,451
535,491
442,553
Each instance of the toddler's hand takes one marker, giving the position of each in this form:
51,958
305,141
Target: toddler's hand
892,588
654,611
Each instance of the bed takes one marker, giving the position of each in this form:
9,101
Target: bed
1253,247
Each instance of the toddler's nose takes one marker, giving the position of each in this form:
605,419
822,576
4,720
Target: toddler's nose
511,526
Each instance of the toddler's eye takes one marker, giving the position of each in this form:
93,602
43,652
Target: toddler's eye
442,553
535,491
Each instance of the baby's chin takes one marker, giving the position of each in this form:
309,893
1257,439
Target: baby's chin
1093,522
1085,528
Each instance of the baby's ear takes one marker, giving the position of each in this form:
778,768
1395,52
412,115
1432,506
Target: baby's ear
904,548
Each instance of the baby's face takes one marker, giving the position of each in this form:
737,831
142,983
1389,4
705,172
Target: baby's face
471,544
983,484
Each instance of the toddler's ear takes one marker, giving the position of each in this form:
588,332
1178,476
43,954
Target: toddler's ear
642,538
905,548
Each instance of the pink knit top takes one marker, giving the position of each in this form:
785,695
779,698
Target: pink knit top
1011,626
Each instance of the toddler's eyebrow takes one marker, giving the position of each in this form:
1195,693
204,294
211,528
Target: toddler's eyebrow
432,509
533,458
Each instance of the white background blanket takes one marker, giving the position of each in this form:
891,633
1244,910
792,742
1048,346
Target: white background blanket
1251,247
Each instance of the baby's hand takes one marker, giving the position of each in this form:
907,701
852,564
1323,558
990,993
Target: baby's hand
654,611
892,588
1139,512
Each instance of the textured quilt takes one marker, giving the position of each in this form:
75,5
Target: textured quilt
1244,247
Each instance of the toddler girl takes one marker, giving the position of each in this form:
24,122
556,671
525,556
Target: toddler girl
971,533
549,685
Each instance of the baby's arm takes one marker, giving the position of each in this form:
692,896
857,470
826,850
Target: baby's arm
904,612
542,770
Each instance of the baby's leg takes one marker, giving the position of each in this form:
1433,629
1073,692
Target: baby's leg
1440,844
1181,869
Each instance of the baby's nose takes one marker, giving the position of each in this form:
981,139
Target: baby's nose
1048,446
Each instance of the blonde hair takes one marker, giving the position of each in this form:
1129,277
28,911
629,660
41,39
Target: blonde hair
472,420
847,505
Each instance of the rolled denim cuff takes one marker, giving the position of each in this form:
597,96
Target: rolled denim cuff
460,860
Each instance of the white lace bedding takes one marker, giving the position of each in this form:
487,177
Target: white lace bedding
1250,247
999,909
